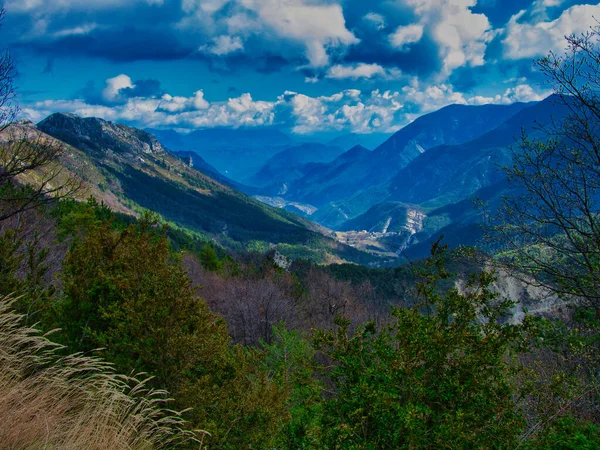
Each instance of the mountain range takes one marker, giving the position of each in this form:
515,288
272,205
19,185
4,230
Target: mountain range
429,171
314,200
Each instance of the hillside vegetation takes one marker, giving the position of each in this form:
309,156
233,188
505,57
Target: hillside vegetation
74,401
131,171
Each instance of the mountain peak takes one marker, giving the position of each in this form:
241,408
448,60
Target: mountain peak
356,153
359,148
97,135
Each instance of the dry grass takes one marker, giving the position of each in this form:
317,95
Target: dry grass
75,402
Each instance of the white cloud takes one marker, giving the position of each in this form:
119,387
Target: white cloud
223,45
406,35
40,7
356,71
347,110
375,20
539,8
314,26
114,85
76,31
350,110
361,70
520,93
529,40
180,104
432,97
461,34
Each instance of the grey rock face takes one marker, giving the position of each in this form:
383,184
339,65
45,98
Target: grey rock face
99,136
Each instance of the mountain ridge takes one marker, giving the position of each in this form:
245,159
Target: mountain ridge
139,173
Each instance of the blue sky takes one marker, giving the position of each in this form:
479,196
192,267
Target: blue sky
305,66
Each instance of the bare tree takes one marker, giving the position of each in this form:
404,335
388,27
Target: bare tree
551,226
30,173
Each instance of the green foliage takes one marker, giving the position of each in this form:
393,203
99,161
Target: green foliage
209,259
22,274
567,433
127,292
439,376
290,362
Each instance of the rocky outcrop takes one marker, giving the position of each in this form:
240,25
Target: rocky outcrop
99,136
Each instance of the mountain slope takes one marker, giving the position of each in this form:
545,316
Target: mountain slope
290,164
451,125
132,167
199,164
448,174
386,217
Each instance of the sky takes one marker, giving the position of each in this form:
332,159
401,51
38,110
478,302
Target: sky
303,66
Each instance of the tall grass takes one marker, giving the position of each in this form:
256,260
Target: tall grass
48,401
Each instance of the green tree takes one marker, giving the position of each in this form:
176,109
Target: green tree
127,292
209,258
289,360
439,376
549,228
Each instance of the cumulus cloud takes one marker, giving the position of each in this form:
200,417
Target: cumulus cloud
313,29
406,35
121,88
111,92
314,26
540,8
356,71
350,110
432,97
179,104
462,35
520,93
532,39
375,20
223,45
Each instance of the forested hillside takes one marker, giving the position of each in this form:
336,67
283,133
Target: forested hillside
131,171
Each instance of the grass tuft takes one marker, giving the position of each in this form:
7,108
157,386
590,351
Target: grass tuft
75,402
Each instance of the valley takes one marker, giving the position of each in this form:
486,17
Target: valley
435,168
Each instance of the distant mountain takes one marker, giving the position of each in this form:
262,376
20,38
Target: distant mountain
235,153
131,170
450,173
323,183
451,125
442,183
370,141
290,164
421,182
